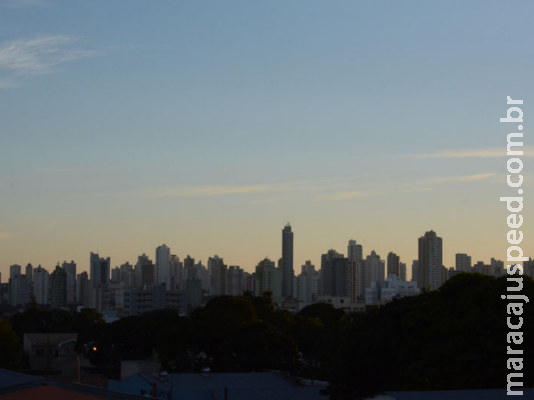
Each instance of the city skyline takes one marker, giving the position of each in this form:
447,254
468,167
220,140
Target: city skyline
95,259
207,126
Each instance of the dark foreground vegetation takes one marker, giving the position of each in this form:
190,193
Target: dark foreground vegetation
454,338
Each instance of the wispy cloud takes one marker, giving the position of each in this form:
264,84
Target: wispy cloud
463,178
5,235
38,56
312,187
351,195
216,190
528,151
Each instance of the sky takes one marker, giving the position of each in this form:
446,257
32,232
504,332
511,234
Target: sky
209,125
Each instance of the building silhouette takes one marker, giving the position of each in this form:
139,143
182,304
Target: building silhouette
287,262
430,266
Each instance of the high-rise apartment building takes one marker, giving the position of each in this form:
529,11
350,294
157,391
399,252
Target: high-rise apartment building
463,263
430,267
268,279
70,270
19,290
40,285
58,288
99,270
145,271
374,269
287,262
393,265
82,289
163,257
217,276
335,275
29,273
14,270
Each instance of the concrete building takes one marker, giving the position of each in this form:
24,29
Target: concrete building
393,267
268,278
430,269
217,276
463,263
99,270
70,270
386,291
145,273
19,290
58,288
40,285
287,262
82,289
14,270
374,269
163,257
235,281
335,275
307,285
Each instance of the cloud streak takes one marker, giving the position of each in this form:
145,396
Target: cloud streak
351,195
464,178
37,56
335,188
528,151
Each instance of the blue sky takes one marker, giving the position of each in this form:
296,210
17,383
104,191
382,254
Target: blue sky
209,125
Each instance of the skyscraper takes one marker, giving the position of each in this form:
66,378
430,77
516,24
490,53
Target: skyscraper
145,271
99,270
429,271
357,272
163,256
463,262
393,264
70,269
58,288
287,262
14,270
40,285
217,276
335,275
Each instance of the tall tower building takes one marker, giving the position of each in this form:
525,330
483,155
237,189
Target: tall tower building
70,269
40,285
14,270
268,279
29,273
217,276
374,269
58,288
393,264
99,270
82,289
429,271
463,262
287,262
145,271
163,257
335,275
356,267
